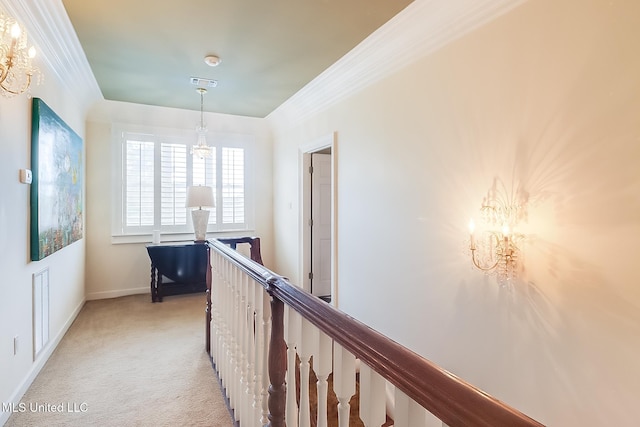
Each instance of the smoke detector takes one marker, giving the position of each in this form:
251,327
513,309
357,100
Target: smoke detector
202,82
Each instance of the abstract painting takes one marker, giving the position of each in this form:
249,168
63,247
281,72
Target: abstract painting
57,188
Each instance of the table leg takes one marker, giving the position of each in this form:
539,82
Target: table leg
159,288
153,284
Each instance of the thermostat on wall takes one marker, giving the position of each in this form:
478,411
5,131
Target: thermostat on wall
25,176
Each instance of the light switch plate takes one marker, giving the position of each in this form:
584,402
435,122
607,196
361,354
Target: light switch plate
25,176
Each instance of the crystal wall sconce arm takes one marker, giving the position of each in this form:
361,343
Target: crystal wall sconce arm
497,251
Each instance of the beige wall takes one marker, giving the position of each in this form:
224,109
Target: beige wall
120,269
546,98
66,267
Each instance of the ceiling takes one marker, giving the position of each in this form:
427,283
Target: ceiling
146,51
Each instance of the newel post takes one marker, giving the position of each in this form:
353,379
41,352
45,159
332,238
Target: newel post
207,310
277,364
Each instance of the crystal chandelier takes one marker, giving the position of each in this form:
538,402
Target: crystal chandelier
201,149
16,69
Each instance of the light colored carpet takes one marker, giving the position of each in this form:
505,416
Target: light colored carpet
128,362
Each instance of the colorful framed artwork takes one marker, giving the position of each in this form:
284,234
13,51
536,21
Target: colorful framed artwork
58,181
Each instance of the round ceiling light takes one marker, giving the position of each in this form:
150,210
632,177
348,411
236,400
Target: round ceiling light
212,60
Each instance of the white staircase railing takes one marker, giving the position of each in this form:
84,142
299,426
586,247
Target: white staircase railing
267,338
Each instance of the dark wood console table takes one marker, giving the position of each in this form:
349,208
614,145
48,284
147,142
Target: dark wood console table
185,264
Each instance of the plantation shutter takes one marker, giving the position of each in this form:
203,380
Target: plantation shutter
139,193
173,184
233,189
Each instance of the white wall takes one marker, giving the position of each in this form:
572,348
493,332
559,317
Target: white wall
120,269
66,267
546,98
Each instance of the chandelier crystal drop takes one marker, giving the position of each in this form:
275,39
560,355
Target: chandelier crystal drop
201,149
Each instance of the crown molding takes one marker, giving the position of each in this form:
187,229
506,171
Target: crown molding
420,29
58,46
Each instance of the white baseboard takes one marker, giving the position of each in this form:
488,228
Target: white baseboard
37,366
117,293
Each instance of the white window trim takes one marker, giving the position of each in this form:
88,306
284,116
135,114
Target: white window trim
232,140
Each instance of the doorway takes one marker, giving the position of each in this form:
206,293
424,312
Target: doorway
320,224
318,213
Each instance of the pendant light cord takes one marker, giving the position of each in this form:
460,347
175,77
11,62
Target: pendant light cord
201,109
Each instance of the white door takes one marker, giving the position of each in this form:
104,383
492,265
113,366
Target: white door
321,224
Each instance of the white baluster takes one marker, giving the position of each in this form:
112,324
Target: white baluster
266,332
344,381
308,345
230,338
215,311
216,321
372,397
256,406
322,365
239,335
235,332
244,339
291,335
250,344
226,305
223,324
248,347
229,331
407,413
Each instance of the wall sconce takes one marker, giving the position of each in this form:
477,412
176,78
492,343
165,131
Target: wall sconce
494,245
16,70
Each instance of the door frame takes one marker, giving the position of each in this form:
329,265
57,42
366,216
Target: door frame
304,161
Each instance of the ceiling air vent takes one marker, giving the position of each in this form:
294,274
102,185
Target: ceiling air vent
200,82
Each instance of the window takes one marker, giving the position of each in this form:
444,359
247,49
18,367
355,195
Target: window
155,171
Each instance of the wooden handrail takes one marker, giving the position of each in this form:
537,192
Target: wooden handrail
253,242
448,397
